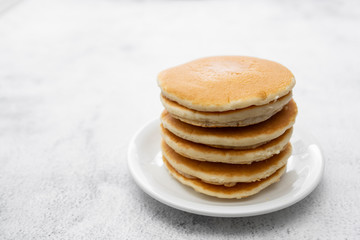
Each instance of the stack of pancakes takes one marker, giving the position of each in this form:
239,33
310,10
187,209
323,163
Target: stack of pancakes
227,124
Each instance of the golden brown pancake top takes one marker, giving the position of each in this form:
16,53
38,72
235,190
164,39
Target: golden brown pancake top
225,82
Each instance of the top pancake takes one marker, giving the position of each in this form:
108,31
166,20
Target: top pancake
225,83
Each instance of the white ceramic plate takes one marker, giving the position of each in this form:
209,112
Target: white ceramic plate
303,174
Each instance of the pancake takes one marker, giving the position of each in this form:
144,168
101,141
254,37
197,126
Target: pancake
224,173
240,190
203,152
239,138
234,118
225,83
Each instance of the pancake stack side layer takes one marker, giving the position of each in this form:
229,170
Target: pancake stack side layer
227,124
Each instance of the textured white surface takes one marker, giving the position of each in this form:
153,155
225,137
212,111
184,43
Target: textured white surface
77,79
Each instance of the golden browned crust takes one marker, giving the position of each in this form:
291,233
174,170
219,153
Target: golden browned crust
225,83
240,190
234,137
233,118
223,173
202,152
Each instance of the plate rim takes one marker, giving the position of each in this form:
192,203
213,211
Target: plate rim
243,213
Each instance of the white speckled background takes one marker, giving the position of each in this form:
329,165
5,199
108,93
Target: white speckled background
77,79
